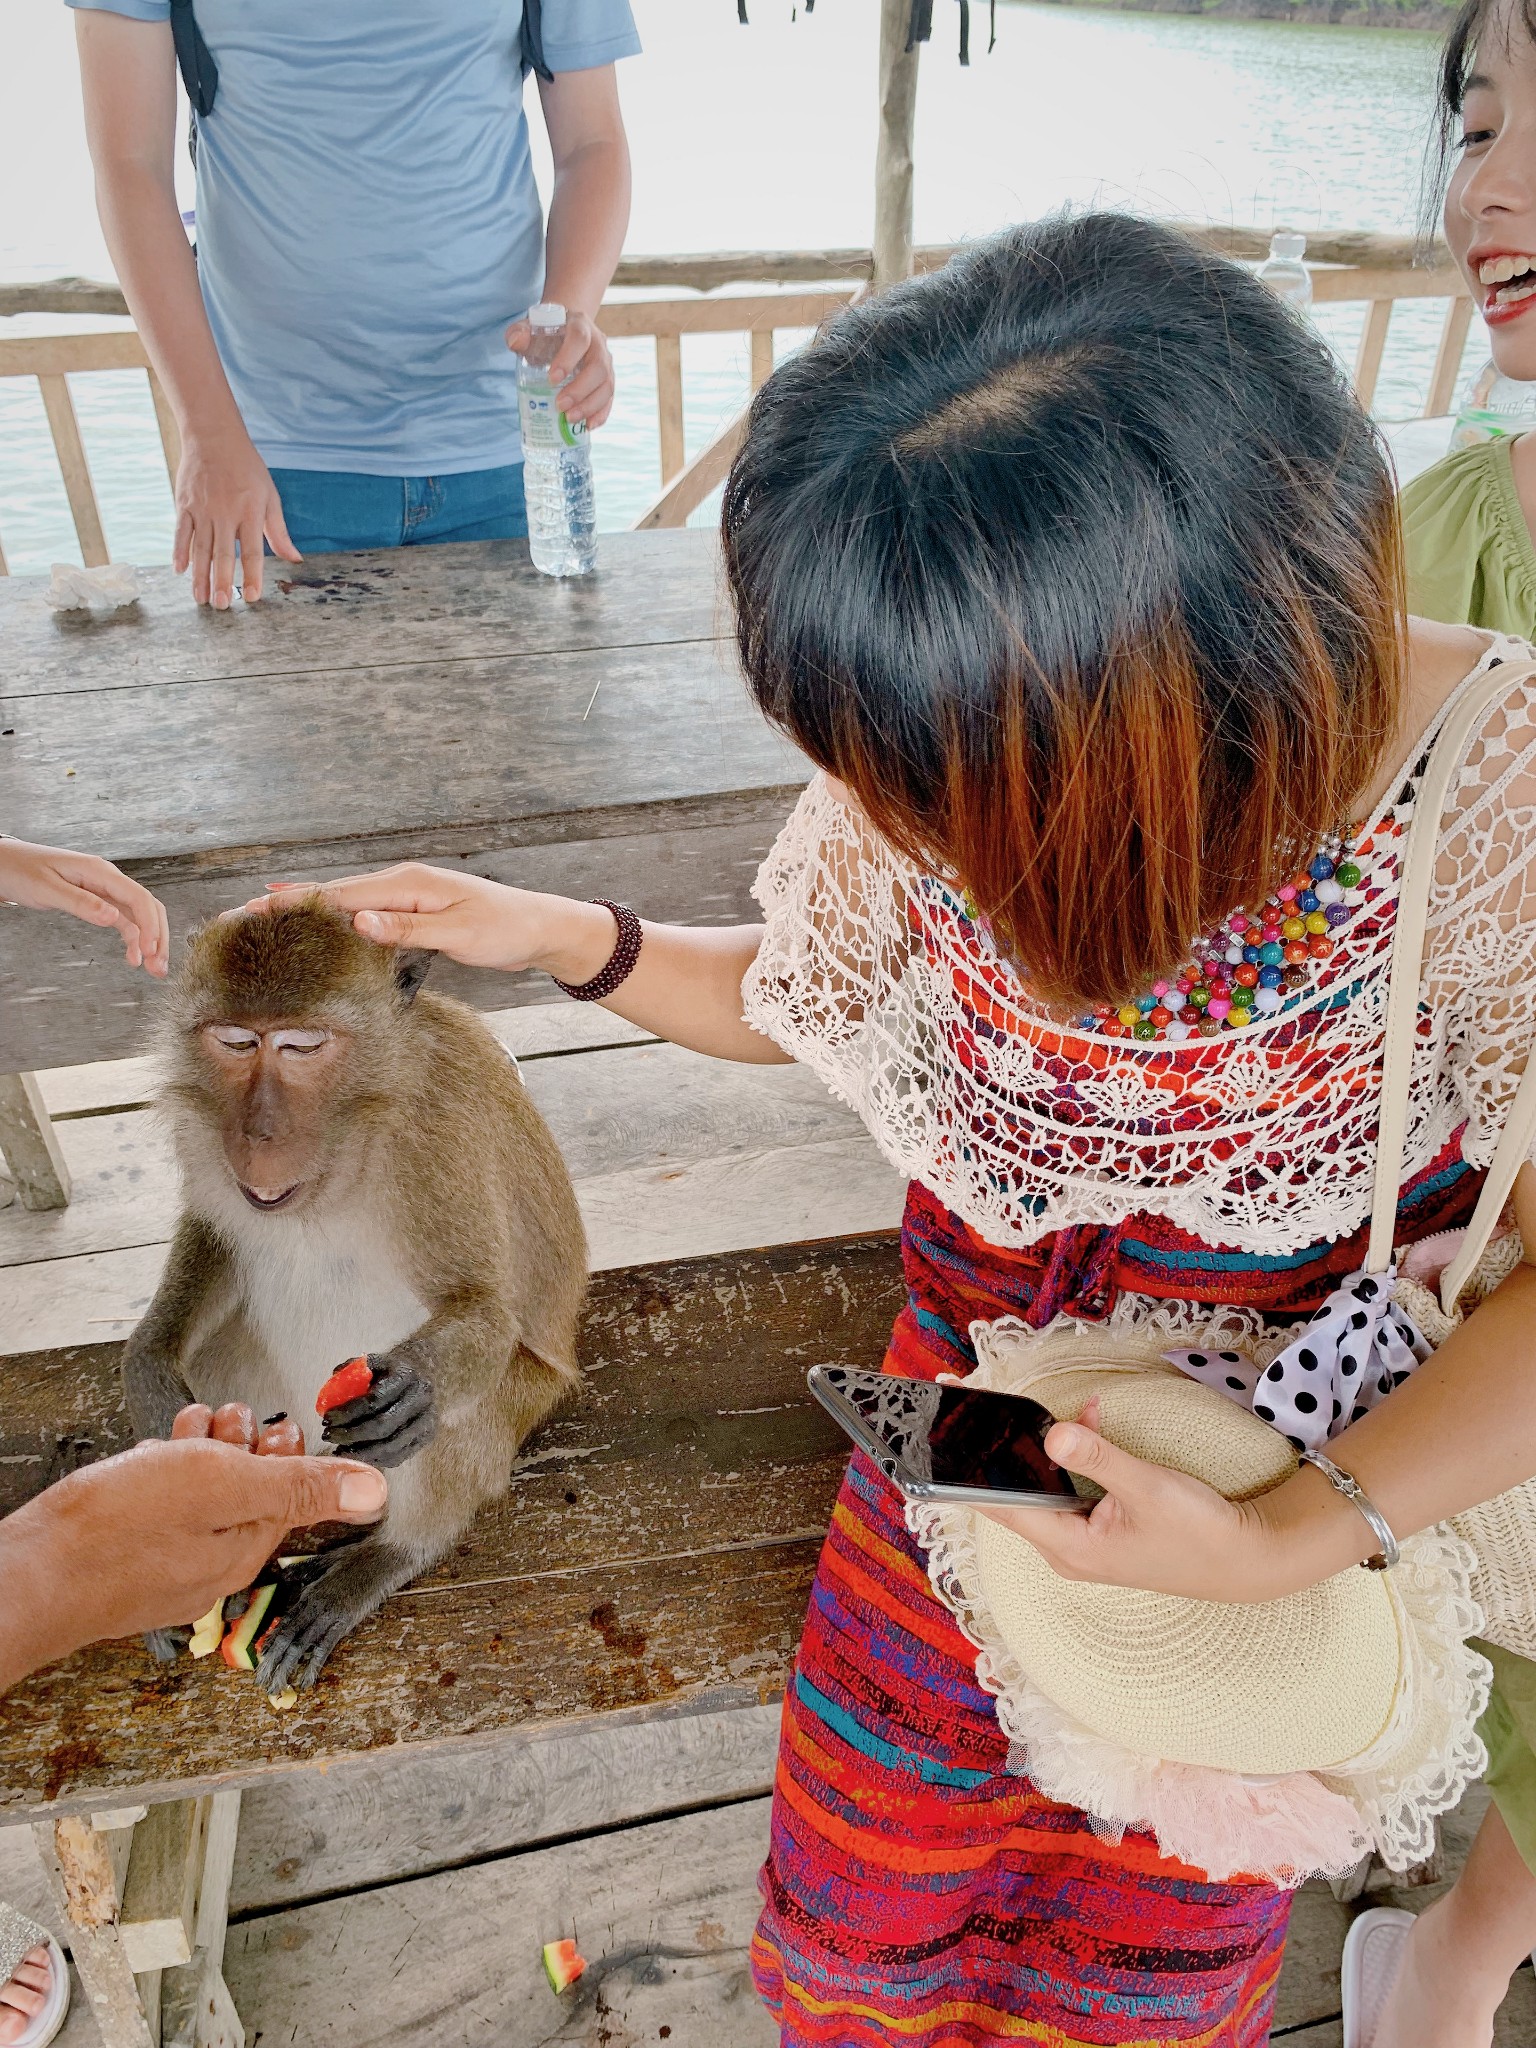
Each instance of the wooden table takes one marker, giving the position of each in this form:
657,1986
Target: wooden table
444,703
653,1555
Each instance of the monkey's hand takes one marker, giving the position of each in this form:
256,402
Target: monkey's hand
348,1587
391,1422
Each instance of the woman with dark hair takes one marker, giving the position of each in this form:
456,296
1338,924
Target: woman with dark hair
1468,521
1074,569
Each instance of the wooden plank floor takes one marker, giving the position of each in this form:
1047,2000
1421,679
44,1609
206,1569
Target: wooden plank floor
327,1948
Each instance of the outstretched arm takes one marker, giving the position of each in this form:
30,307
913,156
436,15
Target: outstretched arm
686,985
152,1538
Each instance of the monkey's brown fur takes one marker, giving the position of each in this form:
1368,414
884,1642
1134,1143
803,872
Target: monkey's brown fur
431,1223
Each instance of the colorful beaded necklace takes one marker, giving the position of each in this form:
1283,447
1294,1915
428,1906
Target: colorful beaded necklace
1248,967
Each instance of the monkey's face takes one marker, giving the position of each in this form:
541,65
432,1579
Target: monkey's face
277,1086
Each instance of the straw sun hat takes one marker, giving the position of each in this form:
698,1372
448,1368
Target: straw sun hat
1276,1739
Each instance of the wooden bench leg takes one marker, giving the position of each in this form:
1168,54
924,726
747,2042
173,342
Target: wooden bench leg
83,1862
29,1146
146,1895
196,2010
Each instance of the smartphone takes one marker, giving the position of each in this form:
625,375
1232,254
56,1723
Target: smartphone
949,1443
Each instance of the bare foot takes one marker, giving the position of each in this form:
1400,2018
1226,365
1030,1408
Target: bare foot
25,1996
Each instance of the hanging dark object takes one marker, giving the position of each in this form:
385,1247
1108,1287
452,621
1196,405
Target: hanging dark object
199,73
919,26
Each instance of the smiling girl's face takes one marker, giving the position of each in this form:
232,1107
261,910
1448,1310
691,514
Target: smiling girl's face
1490,207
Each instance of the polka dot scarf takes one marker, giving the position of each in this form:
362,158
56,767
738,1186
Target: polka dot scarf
1358,1346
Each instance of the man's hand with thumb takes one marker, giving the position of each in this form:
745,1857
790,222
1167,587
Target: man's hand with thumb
150,1539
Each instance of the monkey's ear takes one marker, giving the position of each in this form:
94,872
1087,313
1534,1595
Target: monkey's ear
411,965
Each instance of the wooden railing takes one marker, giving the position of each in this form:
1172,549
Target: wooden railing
1377,270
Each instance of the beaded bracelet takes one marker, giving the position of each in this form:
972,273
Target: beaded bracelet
1354,1492
621,961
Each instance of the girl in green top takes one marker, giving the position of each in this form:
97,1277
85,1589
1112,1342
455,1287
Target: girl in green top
1468,521
1471,560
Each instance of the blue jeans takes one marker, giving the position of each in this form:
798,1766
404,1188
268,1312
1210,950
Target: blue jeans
329,511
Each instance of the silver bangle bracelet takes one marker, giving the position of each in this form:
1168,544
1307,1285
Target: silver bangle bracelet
1356,1494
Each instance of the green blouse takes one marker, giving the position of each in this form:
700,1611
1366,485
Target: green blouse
1471,561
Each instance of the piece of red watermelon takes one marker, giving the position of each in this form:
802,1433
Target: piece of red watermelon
562,1965
348,1382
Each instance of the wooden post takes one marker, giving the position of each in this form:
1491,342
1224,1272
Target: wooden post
29,1146
1373,342
80,1862
893,156
1453,340
146,1894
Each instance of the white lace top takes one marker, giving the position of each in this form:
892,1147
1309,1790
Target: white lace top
873,974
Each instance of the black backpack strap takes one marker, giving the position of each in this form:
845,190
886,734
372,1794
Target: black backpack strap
199,73
533,39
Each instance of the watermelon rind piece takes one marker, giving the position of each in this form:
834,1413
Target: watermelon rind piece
562,1965
236,1648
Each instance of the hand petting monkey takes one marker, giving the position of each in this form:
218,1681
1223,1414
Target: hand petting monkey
90,888
684,984
362,1174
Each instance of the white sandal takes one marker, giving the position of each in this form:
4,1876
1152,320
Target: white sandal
1373,1955
18,1937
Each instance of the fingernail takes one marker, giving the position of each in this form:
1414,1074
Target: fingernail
363,1492
1068,1441
368,924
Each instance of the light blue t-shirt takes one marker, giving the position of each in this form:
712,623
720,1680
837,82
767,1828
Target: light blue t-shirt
368,222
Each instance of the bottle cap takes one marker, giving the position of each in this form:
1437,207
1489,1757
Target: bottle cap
1286,242
547,314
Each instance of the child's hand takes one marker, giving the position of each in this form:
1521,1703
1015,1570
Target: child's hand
474,921
52,878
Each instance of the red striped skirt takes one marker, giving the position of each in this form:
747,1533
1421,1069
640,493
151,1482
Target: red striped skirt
916,1890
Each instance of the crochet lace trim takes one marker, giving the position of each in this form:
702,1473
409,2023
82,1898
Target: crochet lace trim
872,973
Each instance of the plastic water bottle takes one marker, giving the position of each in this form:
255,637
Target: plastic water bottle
1493,405
557,460
1285,273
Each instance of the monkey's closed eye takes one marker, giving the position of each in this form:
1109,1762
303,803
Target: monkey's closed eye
299,1041
233,1037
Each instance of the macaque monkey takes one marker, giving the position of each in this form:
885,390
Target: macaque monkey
362,1172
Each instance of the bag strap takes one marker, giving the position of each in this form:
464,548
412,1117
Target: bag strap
1468,707
533,41
199,73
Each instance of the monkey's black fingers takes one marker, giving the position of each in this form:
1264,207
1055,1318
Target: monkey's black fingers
397,1402
297,1653
392,1384
164,1644
395,1450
